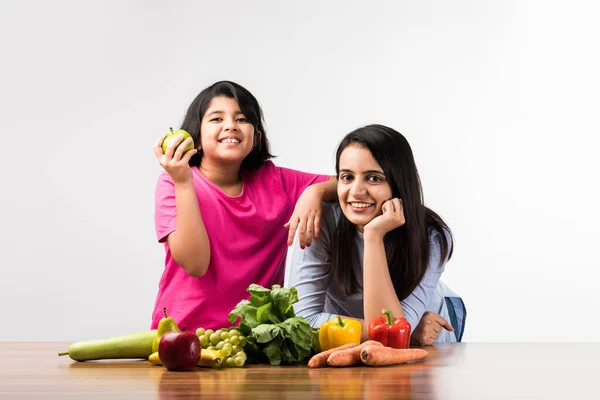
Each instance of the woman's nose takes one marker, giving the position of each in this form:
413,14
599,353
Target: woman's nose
357,188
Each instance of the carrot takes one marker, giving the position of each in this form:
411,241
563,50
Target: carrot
376,356
320,359
351,356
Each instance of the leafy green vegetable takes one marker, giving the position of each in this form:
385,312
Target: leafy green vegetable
273,351
248,312
284,299
273,331
260,295
266,332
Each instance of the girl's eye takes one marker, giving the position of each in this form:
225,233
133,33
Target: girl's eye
242,120
216,120
346,177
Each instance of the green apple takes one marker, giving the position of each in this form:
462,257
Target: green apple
172,135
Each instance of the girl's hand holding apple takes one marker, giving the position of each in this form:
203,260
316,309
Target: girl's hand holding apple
176,156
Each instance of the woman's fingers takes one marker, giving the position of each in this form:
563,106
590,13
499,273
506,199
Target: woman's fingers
388,207
444,324
397,205
398,210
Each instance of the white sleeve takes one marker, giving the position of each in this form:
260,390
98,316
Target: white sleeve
416,303
310,273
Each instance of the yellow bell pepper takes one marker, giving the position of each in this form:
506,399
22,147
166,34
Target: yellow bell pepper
338,332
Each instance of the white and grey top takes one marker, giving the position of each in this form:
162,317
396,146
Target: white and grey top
322,299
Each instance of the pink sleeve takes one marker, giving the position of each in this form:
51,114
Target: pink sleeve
296,181
165,212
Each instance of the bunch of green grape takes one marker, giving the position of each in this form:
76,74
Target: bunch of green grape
230,344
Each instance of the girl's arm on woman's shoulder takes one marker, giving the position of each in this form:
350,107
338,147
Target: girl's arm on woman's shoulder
306,218
326,190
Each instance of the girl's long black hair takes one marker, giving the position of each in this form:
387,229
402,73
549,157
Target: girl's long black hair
248,105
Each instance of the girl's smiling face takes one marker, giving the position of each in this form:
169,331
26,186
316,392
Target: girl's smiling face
225,133
362,187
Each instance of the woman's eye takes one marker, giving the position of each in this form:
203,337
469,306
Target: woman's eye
216,120
374,178
346,177
242,120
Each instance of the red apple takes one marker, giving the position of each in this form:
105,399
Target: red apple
179,351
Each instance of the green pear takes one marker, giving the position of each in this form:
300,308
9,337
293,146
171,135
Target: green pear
172,135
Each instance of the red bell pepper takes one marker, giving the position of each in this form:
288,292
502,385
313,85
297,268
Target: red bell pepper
390,331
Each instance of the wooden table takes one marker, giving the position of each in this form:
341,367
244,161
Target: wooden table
459,371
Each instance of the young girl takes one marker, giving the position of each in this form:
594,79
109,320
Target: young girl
380,247
222,209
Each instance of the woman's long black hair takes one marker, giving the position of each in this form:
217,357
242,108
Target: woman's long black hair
407,247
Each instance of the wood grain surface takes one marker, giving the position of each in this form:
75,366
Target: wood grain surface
457,371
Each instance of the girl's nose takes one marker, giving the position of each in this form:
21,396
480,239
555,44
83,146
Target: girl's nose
230,124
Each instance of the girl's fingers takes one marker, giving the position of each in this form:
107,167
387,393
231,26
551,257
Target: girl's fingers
181,148
173,146
159,141
158,153
317,224
158,146
302,231
310,229
293,225
188,154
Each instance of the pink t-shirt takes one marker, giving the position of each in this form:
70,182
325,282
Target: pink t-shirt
248,243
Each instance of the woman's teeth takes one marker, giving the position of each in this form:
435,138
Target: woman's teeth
361,205
230,141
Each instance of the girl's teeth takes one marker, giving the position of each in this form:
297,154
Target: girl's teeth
230,141
360,205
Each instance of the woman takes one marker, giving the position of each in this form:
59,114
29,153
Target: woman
379,246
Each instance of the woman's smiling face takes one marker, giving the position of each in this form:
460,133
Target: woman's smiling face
362,187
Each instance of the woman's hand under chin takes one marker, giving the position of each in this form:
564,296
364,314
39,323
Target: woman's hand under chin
391,218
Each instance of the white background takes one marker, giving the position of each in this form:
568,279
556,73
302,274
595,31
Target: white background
499,100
